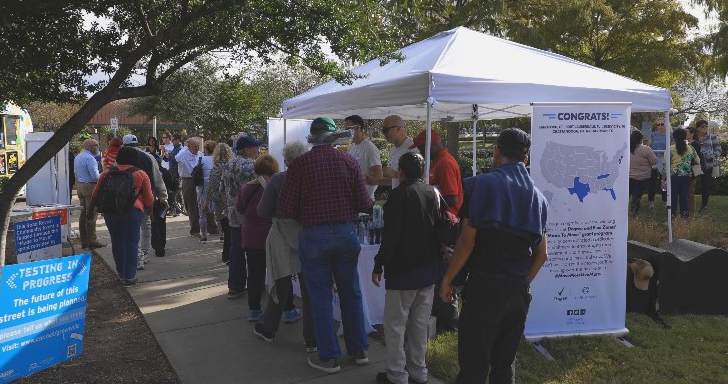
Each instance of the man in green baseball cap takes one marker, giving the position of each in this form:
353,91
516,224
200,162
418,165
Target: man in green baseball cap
324,191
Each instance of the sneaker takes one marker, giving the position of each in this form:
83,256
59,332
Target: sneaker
311,346
195,234
140,265
235,294
361,358
203,240
703,209
331,366
293,315
382,378
652,205
126,283
145,257
259,330
255,315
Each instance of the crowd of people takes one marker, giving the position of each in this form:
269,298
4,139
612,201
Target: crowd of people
693,157
298,225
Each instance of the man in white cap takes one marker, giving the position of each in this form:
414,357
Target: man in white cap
148,164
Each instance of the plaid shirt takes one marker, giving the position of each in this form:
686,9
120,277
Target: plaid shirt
324,186
237,172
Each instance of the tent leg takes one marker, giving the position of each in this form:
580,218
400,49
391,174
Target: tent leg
475,140
428,143
667,166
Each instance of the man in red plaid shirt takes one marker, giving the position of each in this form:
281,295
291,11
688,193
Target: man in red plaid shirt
324,191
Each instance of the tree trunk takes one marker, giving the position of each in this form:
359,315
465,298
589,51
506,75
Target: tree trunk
32,165
453,139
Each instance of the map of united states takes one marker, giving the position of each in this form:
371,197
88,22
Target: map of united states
580,169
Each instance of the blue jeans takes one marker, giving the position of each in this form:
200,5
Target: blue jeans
679,190
237,279
124,231
328,253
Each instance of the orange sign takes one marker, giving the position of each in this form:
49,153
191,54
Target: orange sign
62,212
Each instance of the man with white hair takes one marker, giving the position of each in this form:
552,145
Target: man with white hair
86,170
187,159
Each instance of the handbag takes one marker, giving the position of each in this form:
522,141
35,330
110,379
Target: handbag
198,177
697,169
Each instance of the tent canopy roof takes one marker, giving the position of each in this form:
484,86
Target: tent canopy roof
461,67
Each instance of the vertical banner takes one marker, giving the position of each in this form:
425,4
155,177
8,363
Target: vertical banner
42,314
38,239
294,130
580,161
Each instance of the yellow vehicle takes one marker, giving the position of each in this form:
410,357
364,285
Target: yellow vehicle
14,124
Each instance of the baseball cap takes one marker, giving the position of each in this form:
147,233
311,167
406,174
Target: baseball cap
246,141
323,124
421,139
129,139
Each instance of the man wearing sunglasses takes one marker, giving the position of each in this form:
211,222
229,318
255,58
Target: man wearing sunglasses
658,142
364,151
394,132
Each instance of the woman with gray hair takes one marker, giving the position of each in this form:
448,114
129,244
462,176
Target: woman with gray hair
283,262
216,195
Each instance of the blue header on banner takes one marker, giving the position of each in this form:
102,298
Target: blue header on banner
42,315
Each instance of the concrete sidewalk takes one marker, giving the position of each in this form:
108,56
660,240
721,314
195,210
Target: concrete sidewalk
206,336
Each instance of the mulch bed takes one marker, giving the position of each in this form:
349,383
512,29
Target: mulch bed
118,345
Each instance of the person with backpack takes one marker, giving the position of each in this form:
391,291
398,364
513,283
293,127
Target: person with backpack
124,195
410,257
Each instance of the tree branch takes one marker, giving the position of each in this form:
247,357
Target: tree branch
176,66
144,22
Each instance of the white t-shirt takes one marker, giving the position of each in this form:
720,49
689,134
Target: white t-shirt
395,153
367,155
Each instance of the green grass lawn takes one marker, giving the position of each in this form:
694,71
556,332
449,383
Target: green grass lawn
710,228
695,350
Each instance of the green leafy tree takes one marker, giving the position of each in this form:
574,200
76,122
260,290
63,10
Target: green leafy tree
647,40
55,51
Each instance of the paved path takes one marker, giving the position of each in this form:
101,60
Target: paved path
206,336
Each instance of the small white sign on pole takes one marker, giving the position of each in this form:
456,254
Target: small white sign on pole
114,125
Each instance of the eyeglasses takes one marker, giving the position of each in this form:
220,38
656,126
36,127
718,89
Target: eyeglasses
386,129
661,124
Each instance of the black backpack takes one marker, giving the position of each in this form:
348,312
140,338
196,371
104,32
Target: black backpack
198,177
117,193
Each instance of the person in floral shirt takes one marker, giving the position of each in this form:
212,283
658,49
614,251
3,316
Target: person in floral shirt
238,172
680,156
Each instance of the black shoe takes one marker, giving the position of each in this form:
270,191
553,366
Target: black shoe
259,330
159,252
126,283
383,379
235,294
311,346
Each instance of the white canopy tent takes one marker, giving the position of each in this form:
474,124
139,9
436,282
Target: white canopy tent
464,75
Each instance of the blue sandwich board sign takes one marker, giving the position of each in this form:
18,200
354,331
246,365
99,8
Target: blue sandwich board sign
42,314
38,239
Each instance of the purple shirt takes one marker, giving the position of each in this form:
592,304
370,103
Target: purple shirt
255,228
324,186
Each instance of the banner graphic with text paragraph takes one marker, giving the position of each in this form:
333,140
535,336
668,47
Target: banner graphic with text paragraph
580,161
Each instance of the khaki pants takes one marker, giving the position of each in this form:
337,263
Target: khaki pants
86,226
407,312
189,194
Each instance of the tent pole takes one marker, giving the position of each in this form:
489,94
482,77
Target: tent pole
475,140
428,142
285,128
668,165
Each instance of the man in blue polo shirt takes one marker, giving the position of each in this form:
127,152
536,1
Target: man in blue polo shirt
503,241
86,170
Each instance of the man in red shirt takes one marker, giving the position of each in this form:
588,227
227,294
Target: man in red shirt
444,170
445,175
324,191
